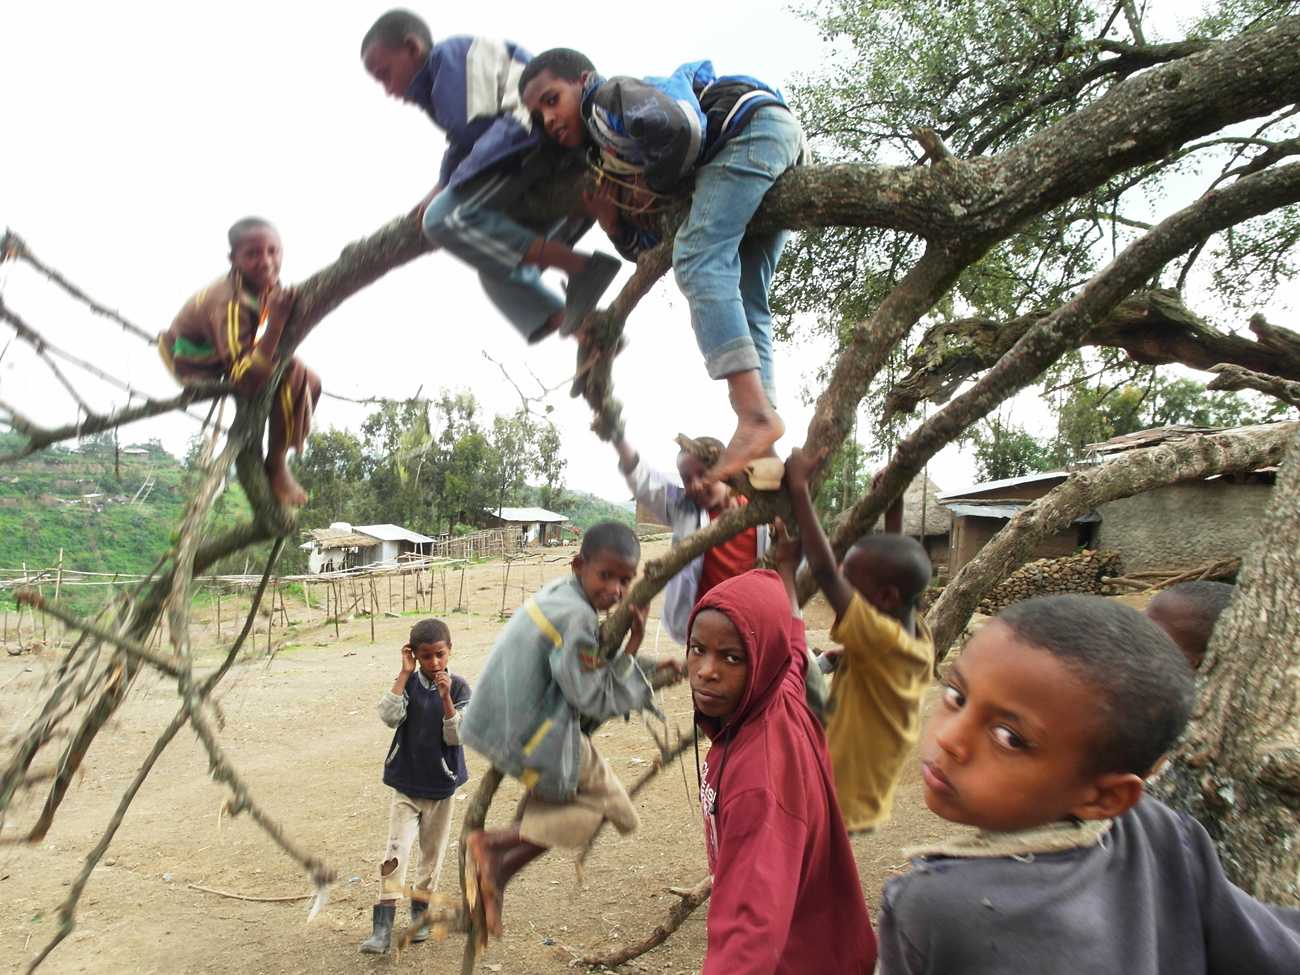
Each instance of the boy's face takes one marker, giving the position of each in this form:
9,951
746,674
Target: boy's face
433,657
395,67
717,665
1009,745
605,577
556,105
257,256
709,495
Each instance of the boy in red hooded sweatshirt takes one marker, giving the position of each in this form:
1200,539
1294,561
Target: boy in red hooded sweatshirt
786,896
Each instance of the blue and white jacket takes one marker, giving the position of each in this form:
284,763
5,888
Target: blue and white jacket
425,759
543,681
470,88
662,128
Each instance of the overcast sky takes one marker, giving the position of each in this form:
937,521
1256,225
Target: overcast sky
136,133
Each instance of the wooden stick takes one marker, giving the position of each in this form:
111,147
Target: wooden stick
244,897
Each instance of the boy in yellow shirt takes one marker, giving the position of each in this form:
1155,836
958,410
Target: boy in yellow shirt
883,673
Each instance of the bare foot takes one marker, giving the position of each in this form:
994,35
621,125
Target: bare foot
286,490
755,436
487,862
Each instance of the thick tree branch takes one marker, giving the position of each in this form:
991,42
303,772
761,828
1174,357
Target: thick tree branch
1133,472
1045,341
1231,377
1152,327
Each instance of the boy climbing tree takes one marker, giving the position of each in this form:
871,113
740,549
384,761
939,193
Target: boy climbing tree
232,328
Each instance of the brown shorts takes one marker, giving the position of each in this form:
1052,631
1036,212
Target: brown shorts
600,796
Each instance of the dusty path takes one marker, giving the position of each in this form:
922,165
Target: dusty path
304,734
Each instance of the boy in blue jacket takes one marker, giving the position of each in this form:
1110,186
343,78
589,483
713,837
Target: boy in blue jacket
425,767
544,688
469,87
736,135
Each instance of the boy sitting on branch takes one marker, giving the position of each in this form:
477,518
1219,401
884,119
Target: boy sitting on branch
231,330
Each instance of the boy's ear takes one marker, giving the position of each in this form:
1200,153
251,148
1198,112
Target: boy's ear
577,564
1113,794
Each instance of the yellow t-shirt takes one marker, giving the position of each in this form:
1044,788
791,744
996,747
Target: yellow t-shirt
876,708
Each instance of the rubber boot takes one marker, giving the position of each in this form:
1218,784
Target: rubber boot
417,911
381,935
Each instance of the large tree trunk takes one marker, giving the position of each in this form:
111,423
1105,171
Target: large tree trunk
1237,769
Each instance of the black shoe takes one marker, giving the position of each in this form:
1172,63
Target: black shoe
417,911
584,290
381,934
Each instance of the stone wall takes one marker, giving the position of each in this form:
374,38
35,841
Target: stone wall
1183,525
1080,573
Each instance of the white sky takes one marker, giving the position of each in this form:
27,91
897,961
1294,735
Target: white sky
135,133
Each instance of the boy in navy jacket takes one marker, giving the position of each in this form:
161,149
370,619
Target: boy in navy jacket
425,767
469,88
736,136
1051,720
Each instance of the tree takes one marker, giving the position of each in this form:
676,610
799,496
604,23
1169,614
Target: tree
1057,126
1004,451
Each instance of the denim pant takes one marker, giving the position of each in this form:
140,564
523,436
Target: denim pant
468,220
723,271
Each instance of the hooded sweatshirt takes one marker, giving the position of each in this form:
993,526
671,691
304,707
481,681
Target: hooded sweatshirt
786,895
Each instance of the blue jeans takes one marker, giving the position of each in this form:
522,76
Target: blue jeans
723,271
468,221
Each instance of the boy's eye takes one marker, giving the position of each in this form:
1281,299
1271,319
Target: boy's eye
1009,739
953,697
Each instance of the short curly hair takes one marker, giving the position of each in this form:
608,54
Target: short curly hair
1144,687
429,631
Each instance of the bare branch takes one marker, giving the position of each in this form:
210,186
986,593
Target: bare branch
14,247
678,913
66,916
41,437
124,643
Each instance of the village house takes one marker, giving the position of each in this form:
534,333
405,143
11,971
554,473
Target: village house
1178,526
343,546
539,526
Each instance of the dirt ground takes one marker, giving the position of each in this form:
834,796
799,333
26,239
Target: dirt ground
303,732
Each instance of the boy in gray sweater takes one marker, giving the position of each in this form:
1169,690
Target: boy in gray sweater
1051,719
545,686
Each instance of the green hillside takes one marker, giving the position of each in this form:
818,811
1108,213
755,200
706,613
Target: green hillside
107,509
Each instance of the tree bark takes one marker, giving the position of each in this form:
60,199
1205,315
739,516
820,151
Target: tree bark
1133,472
1048,339
1233,377
1152,327
1237,769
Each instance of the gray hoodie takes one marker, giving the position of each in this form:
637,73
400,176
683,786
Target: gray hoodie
1146,897
543,677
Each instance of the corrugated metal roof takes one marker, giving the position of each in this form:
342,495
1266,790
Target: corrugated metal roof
1002,509
527,514
391,533
1006,482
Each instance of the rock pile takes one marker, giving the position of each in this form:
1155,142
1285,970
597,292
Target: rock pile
1082,573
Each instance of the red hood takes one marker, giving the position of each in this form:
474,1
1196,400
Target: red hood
758,606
